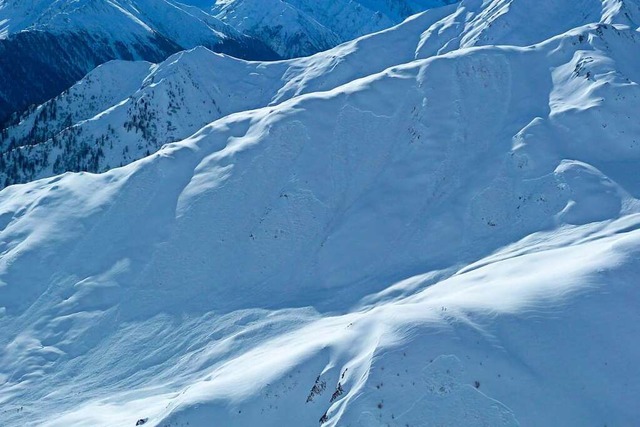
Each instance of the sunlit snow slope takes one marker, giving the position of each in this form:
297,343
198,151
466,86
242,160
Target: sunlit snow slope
451,238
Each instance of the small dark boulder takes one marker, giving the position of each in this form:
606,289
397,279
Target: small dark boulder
142,421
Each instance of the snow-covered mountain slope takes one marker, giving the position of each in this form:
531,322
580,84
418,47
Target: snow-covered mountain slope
45,46
302,27
452,240
176,98
93,127
495,22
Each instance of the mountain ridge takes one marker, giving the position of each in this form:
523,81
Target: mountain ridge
56,49
56,43
144,128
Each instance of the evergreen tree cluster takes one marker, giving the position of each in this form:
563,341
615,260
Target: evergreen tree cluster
45,141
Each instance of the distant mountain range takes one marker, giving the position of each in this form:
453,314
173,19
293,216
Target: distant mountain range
303,27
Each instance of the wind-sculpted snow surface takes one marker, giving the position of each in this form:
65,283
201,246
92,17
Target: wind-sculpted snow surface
447,240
